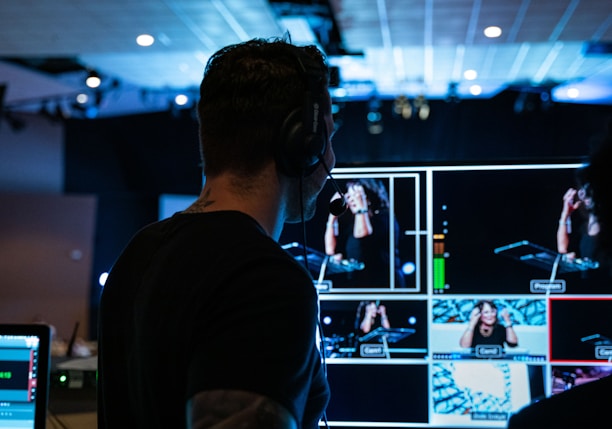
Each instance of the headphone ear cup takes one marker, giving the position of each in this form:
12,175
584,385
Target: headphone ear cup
298,151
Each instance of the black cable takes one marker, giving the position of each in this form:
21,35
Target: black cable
303,220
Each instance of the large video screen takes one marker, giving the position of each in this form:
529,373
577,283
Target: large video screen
444,301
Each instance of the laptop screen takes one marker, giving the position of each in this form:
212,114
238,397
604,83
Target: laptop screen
24,375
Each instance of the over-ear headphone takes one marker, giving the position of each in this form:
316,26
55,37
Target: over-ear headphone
303,134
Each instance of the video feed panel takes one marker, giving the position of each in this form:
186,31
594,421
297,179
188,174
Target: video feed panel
566,377
482,394
344,336
450,320
372,395
388,254
479,210
581,329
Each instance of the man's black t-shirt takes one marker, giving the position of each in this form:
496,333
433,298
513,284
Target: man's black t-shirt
200,302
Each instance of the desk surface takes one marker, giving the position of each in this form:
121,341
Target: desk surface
72,421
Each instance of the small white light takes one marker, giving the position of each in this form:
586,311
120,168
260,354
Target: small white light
573,92
82,98
93,81
475,90
181,99
102,279
492,31
470,74
424,112
409,268
145,40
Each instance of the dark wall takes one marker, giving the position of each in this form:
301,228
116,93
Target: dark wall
471,131
128,161
158,153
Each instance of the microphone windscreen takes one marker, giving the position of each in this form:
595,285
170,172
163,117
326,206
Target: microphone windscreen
337,206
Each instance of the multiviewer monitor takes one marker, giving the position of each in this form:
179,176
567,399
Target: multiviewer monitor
474,313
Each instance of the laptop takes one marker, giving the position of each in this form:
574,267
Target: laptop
25,351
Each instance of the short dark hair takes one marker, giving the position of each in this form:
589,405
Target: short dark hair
247,91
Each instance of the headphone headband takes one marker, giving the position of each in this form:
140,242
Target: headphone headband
303,135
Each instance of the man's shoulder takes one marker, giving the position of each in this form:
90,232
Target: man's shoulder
577,407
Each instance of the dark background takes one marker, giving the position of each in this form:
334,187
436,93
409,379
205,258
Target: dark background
127,162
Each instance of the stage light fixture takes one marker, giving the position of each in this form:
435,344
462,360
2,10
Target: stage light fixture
55,114
82,98
422,107
402,107
452,96
374,117
93,79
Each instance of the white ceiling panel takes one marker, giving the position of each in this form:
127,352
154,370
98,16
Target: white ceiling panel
386,47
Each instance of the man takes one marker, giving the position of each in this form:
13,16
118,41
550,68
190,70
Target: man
586,405
204,320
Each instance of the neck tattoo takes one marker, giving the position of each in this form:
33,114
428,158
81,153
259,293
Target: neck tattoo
201,204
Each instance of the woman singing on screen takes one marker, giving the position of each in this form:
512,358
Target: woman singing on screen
484,328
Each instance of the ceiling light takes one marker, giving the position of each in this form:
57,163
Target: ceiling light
492,31
470,74
145,40
93,80
573,93
181,99
475,90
